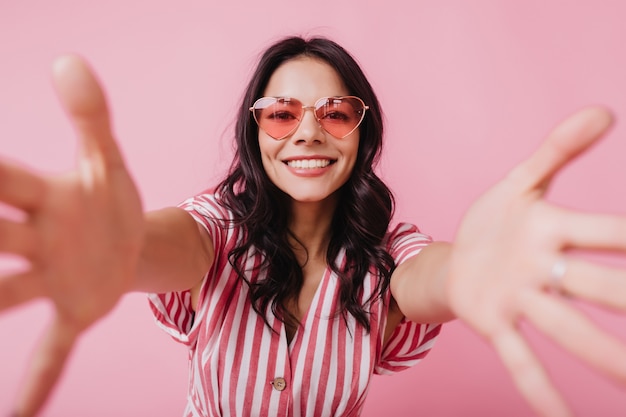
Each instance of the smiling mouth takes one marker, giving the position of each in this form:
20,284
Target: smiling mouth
309,163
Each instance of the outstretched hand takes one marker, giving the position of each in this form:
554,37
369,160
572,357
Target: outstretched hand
511,261
81,233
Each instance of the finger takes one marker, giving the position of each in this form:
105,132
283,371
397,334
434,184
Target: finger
569,139
529,375
47,366
19,187
590,231
19,288
576,333
17,238
599,284
84,101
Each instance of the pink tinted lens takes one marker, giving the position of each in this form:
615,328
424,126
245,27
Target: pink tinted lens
278,117
340,116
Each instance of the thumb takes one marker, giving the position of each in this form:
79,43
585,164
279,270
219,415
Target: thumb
570,138
84,101
46,367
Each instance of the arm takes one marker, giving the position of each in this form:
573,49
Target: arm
419,285
176,254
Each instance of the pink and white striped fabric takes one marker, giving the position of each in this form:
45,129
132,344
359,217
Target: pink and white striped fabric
240,367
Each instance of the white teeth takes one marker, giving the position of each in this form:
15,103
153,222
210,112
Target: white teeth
308,163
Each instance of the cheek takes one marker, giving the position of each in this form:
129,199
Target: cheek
351,151
268,154
268,167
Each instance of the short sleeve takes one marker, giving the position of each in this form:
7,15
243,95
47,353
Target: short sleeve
174,314
410,341
173,311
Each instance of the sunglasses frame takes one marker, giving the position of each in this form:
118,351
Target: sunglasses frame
313,108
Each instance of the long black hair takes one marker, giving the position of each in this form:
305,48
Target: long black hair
360,220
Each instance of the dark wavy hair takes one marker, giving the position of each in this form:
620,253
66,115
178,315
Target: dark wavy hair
361,218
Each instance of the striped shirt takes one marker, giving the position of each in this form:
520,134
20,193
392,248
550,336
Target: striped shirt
240,367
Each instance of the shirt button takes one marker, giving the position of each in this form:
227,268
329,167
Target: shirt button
279,384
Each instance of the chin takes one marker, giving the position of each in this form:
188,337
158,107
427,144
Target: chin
314,198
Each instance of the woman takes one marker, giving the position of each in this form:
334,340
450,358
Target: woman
288,283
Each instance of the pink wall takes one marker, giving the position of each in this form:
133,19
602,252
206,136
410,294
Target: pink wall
469,88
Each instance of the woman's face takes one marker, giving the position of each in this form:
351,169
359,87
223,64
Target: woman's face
309,165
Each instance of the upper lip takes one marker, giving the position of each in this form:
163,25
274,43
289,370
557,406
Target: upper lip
307,157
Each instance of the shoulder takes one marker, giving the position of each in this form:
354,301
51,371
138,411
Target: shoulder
405,240
404,233
207,204
214,216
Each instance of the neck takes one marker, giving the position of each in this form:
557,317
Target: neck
310,225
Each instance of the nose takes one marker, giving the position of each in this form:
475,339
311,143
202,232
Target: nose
309,130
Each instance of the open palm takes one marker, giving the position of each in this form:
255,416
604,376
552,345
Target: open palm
81,234
512,262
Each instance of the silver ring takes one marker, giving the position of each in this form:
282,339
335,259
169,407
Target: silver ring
558,272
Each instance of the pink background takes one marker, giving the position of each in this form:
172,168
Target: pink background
469,89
